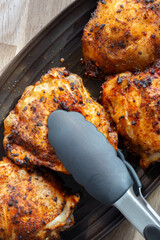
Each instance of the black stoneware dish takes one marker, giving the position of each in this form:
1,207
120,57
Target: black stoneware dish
61,38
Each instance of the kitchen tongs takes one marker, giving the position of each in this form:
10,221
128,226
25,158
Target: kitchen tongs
104,173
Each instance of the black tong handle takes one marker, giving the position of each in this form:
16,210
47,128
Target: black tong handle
93,162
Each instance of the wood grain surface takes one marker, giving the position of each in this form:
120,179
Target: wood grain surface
20,20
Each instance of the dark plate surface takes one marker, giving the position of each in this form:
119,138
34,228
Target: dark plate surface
62,38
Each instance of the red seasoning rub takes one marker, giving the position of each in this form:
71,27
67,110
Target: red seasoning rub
33,205
134,104
121,36
26,130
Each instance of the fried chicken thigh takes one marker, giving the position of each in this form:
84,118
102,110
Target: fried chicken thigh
134,103
34,205
26,131
121,36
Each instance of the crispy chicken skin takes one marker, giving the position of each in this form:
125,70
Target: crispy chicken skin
121,36
134,103
26,130
34,205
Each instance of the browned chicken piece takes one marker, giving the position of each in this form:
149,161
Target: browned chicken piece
134,103
26,130
33,205
122,36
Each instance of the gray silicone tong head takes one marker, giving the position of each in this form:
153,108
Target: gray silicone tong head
105,174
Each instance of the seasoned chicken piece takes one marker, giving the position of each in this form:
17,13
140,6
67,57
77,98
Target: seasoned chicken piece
33,205
26,129
134,103
122,36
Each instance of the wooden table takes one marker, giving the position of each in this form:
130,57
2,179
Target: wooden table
20,20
